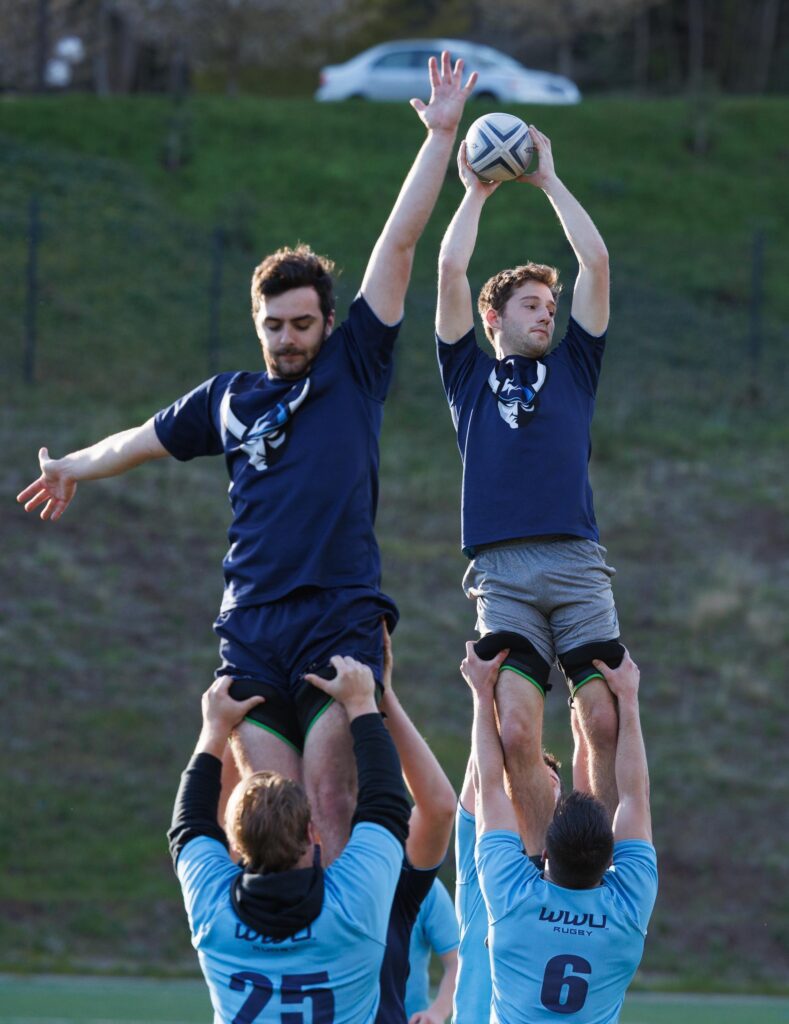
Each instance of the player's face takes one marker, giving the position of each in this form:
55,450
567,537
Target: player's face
525,324
291,329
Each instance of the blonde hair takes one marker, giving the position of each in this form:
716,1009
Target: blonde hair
267,820
499,288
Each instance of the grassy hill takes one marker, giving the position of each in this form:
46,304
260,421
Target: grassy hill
105,617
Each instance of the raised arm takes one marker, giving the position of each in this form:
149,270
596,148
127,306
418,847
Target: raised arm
434,798
455,311
633,819
590,306
389,270
493,807
57,484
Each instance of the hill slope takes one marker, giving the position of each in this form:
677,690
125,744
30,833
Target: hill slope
106,616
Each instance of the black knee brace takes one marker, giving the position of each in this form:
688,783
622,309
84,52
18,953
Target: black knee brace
577,663
523,657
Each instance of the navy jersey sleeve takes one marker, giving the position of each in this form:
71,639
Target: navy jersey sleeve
583,353
505,872
190,426
369,344
634,877
457,364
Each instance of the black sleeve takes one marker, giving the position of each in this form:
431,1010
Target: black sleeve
196,804
382,798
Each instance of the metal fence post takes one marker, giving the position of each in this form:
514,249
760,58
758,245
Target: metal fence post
215,298
31,304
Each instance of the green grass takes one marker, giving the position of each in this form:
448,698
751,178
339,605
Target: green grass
52,1000
105,617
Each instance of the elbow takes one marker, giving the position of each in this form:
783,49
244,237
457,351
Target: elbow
445,806
597,260
449,266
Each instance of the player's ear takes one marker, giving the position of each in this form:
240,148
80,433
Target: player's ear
492,318
329,327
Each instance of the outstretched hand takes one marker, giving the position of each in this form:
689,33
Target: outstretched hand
448,95
546,172
481,675
54,486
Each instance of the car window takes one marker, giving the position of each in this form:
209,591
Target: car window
401,59
419,58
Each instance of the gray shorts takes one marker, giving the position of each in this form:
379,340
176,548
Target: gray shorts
557,593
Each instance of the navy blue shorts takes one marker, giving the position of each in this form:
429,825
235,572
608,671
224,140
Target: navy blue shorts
268,648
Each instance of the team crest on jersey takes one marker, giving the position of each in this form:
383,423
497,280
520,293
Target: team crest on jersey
268,433
517,399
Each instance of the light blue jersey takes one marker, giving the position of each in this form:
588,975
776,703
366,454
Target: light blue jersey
473,990
435,929
557,952
327,973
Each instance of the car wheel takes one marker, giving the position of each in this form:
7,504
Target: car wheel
357,96
486,96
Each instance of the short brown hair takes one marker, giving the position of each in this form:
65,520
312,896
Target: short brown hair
267,821
294,268
499,288
579,842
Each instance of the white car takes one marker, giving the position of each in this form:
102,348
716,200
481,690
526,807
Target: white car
398,71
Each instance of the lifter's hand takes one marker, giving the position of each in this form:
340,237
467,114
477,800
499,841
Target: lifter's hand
55,487
448,95
623,681
480,675
221,714
353,686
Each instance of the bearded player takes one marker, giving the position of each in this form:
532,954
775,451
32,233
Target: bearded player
300,440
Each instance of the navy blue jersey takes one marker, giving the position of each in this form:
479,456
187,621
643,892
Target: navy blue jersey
329,970
412,888
302,457
524,433
435,931
557,951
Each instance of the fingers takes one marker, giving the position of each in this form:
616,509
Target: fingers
418,105
446,67
435,77
473,78
31,491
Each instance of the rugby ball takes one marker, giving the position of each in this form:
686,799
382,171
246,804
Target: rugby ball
498,147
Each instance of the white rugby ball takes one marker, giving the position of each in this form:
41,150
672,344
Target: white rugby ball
498,147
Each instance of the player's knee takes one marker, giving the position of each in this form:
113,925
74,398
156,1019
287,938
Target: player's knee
520,735
523,658
577,663
599,719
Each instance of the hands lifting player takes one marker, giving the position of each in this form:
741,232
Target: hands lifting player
294,597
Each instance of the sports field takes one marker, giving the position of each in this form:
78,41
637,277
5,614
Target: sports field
55,1000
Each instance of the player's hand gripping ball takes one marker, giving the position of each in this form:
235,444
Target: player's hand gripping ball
498,147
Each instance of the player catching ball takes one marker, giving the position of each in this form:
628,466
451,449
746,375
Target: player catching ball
300,440
523,416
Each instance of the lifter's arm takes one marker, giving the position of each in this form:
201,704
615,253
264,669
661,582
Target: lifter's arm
114,455
493,807
389,270
433,812
197,800
633,819
590,305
